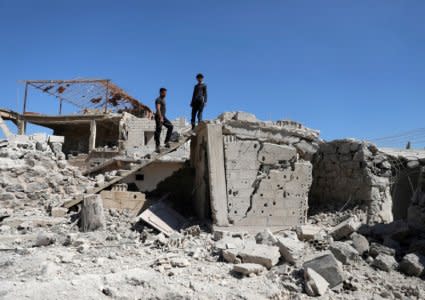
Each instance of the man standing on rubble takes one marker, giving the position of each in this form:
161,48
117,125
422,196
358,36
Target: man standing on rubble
161,120
199,99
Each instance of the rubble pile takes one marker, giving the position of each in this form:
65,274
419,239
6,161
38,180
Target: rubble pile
34,173
351,250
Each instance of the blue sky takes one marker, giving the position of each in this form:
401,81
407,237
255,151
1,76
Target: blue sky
348,68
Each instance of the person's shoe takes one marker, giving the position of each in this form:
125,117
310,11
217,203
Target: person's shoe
167,145
193,126
157,149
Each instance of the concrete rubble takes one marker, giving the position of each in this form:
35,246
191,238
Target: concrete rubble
277,213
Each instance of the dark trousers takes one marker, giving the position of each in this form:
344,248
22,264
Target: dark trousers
197,109
158,129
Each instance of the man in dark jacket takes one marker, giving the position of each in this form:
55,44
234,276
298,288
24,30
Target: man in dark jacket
160,120
199,99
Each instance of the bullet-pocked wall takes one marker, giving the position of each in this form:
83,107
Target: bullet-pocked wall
267,171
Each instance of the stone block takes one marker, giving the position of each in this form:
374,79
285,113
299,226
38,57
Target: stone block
346,228
248,268
291,249
315,284
272,154
307,150
413,264
344,252
360,243
266,237
376,249
308,232
44,239
328,267
59,212
265,255
231,255
385,262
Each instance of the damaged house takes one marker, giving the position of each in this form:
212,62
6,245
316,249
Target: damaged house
235,171
110,130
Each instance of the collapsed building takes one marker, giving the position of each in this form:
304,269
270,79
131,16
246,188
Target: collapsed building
302,197
110,130
240,171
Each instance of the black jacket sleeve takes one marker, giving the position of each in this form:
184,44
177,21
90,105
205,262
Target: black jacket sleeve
205,94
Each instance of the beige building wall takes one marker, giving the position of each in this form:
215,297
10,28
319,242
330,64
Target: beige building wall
148,178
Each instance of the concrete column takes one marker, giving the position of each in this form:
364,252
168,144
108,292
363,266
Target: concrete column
21,127
4,128
217,176
92,140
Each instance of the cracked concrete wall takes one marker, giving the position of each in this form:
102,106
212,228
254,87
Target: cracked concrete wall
266,183
268,172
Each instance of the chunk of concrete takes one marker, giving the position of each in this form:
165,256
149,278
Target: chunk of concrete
345,228
385,262
308,232
248,268
266,237
59,212
376,249
56,139
328,267
291,249
315,284
360,243
344,252
44,239
231,255
244,116
413,264
264,255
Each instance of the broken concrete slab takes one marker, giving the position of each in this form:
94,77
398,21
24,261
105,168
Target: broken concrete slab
344,229
328,267
308,232
264,255
344,252
291,249
413,264
163,218
315,284
231,255
248,268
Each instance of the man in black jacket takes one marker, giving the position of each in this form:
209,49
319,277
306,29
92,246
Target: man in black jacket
199,99
161,120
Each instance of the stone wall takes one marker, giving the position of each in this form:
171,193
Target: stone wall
137,136
350,172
